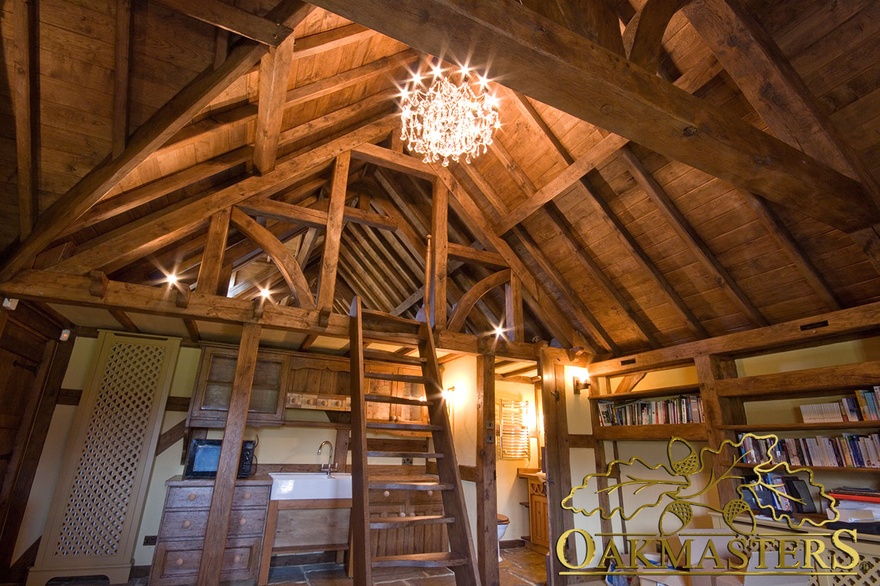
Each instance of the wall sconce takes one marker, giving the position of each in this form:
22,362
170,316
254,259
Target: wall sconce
580,384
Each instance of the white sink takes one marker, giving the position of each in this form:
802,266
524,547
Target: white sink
301,486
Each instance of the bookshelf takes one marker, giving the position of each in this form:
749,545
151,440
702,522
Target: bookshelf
655,414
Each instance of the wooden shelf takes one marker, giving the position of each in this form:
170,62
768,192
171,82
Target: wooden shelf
860,470
649,394
786,427
829,380
689,431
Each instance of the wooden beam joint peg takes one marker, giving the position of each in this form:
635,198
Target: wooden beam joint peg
98,284
181,298
259,306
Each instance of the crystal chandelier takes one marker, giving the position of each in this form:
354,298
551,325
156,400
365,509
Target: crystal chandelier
448,120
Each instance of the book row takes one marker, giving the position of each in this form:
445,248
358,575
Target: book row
862,406
845,451
681,409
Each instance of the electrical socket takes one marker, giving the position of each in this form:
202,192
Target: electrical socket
407,461
149,540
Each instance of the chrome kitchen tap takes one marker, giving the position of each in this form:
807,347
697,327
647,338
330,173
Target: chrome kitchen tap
330,466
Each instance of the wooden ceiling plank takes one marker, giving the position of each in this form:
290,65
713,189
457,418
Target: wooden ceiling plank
368,104
559,184
471,254
393,190
595,271
212,255
608,216
121,75
787,243
773,87
571,73
330,258
274,78
690,237
579,311
439,253
25,92
395,258
643,36
469,299
144,194
152,232
513,310
235,20
284,259
383,277
330,40
146,139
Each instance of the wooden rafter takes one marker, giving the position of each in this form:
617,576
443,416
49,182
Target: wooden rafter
284,259
643,36
212,256
592,19
692,240
121,76
567,71
150,136
125,321
235,20
470,298
26,96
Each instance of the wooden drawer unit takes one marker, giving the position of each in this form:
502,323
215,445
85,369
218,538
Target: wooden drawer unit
184,525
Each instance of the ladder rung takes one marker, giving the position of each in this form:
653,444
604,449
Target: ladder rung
410,486
396,400
403,426
441,559
382,356
398,522
403,378
427,455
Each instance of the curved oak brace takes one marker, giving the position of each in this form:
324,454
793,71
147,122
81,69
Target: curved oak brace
283,258
644,34
469,299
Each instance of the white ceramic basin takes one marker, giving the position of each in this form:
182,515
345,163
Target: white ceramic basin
310,485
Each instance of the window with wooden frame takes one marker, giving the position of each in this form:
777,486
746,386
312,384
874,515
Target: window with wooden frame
514,430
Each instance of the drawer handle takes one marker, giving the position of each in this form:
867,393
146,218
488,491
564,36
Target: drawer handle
236,559
179,561
386,494
430,493
247,496
187,524
191,496
242,521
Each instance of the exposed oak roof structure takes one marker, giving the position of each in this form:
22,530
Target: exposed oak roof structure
667,171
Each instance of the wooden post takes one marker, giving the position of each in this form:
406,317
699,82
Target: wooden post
227,470
513,309
558,465
330,260
440,248
487,492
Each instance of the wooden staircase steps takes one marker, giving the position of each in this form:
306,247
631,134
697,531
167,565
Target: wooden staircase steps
443,513
445,559
401,522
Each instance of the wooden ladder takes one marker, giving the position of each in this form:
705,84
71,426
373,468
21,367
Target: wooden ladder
460,556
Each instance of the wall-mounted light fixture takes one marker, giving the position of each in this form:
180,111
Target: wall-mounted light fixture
10,303
581,383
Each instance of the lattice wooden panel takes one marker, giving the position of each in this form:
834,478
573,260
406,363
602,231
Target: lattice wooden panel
111,452
868,572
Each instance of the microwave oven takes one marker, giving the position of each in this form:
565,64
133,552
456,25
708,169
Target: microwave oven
203,458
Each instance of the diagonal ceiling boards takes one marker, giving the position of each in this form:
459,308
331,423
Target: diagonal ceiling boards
567,71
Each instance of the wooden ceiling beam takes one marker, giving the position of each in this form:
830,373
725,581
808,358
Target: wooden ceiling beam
643,36
592,19
149,136
607,215
285,262
380,276
156,230
232,19
121,76
471,254
210,268
573,74
333,235
472,295
382,157
513,310
274,78
691,239
25,93
125,321
330,40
